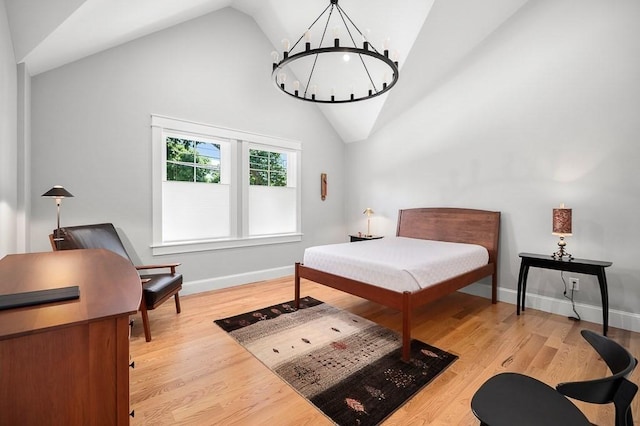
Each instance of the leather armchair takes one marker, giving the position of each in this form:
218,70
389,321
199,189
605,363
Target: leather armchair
156,287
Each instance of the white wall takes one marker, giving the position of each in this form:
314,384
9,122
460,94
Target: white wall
8,139
545,111
91,133
23,103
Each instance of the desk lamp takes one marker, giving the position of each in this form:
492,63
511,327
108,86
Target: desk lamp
58,193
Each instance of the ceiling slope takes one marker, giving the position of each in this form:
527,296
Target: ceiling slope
453,29
430,38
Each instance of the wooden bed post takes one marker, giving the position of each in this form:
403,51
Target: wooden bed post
297,287
494,285
406,326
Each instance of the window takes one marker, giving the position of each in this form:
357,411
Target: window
219,188
272,191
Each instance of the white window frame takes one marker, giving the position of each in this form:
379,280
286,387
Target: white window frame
162,126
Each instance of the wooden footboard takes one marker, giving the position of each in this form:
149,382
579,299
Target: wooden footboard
404,302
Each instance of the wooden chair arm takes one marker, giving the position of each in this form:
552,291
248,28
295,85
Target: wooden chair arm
172,266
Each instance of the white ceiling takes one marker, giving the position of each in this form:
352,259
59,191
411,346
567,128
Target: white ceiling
50,33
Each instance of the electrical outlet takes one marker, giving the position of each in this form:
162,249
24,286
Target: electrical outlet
575,283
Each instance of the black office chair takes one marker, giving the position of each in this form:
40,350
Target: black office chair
156,288
516,399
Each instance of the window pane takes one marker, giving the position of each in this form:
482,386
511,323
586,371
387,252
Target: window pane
179,172
278,161
207,175
208,153
258,177
181,150
278,179
267,168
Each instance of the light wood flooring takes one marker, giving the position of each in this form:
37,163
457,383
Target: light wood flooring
192,373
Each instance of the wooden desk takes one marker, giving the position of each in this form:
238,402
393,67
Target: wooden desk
67,362
582,266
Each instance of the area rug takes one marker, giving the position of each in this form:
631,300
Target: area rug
347,366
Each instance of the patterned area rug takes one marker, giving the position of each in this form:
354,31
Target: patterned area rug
347,366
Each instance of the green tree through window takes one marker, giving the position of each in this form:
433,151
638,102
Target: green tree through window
192,161
267,168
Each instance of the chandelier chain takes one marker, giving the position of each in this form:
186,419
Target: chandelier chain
315,60
342,15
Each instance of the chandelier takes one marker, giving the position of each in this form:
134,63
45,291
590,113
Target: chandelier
334,73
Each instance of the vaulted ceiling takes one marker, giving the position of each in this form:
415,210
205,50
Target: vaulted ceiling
432,37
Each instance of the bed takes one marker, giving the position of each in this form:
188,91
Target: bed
468,226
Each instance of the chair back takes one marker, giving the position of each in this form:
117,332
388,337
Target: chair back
615,388
102,235
617,358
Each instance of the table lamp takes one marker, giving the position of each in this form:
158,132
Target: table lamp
562,228
58,193
368,212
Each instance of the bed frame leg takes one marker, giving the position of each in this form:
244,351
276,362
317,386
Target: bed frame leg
297,287
406,326
494,286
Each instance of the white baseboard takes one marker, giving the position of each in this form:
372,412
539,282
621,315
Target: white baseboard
619,319
200,286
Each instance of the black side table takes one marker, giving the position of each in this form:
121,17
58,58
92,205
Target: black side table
581,266
364,237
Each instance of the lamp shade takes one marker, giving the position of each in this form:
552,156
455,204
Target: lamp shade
57,192
561,221
368,211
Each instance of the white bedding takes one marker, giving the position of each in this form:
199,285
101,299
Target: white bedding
397,263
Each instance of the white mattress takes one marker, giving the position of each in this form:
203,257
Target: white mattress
397,263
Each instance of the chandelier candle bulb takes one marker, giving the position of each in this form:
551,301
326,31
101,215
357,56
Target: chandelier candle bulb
307,40
365,38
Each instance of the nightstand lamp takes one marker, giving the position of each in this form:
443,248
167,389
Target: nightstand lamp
368,212
562,228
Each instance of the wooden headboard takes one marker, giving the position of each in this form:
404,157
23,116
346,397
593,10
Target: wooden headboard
470,226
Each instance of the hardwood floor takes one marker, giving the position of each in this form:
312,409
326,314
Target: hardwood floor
192,373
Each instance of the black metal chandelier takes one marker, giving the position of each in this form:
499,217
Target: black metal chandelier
376,74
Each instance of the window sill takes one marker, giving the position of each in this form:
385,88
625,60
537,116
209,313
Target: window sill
196,246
